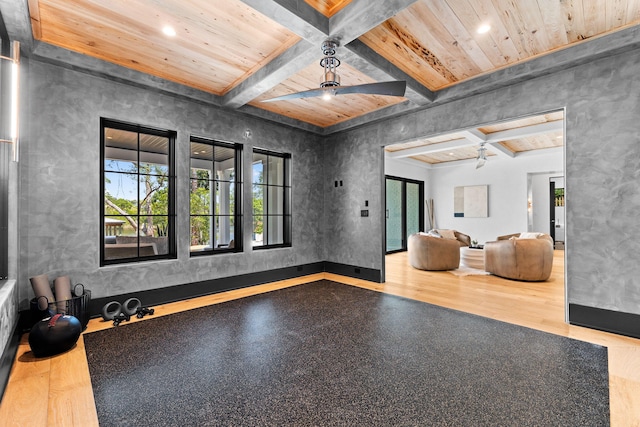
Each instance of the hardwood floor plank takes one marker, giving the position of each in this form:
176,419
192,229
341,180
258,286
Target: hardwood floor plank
624,385
70,393
25,399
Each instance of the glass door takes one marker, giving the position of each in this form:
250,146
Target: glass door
394,215
414,215
404,211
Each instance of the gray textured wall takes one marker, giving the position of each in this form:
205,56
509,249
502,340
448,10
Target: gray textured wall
59,172
357,159
602,101
59,175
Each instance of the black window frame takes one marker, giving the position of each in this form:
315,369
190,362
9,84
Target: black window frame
171,182
287,216
237,213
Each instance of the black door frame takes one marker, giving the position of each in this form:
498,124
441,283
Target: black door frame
404,182
552,210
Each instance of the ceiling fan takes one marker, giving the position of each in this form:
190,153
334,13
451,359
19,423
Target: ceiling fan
330,84
482,156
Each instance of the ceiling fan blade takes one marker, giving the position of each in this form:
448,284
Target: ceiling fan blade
392,88
306,94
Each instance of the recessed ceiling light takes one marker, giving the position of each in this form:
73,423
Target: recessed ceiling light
484,28
169,31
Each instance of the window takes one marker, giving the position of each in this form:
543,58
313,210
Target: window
271,199
138,212
215,197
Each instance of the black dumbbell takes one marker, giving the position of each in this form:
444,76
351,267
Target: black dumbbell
121,317
143,311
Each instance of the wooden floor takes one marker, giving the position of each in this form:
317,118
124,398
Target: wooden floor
57,391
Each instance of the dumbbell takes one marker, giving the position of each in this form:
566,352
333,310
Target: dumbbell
123,312
120,312
120,318
143,311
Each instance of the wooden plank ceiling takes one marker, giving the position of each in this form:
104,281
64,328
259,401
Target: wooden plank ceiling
328,7
245,51
217,45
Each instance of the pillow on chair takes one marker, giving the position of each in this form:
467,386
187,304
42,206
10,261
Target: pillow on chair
448,234
529,235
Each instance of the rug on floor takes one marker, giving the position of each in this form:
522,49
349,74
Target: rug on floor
328,354
468,271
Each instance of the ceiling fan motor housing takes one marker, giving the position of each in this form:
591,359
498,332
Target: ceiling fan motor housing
330,63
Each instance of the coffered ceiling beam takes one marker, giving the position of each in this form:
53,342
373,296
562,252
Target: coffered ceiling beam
477,137
526,131
17,21
360,16
367,59
550,150
296,16
354,20
474,137
68,59
288,63
500,150
432,148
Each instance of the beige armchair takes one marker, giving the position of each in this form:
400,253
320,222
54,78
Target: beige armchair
514,258
433,253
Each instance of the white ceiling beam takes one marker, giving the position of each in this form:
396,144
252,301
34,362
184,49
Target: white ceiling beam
501,150
473,136
433,148
476,136
411,162
526,131
549,150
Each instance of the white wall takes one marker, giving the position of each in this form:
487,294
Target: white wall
406,169
507,193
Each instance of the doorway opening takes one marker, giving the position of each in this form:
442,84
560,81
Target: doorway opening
516,150
404,211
